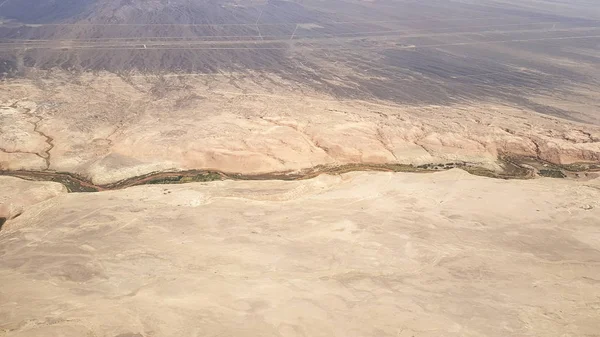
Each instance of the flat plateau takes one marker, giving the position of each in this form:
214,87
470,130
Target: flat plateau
363,254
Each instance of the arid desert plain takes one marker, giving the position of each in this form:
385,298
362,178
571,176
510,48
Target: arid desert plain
299,168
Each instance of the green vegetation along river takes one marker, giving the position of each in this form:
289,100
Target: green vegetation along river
513,168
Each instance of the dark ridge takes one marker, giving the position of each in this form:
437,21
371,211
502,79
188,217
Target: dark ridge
2,221
406,52
37,11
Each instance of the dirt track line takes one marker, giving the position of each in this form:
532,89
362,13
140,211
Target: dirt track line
294,33
259,34
468,33
434,20
187,44
160,47
349,33
194,38
262,24
259,16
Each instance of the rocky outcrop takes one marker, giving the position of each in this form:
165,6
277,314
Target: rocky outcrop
265,133
16,195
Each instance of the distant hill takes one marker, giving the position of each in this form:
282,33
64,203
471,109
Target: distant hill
45,11
408,52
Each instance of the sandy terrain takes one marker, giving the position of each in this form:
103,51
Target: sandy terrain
362,254
103,95
107,130
18,194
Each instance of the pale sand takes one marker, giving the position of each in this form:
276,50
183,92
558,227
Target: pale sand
362,254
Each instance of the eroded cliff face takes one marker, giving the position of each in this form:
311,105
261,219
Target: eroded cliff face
356,254
18,194
256,134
